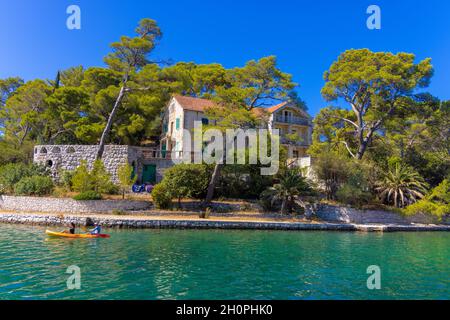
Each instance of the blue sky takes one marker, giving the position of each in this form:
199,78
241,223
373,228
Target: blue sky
306,36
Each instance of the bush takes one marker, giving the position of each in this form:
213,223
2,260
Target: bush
12,173
187,180
126,178
34,186
267,203
242,182
102,179
82,179
162,197
65,179
98,179
353,195
88,195
332,170
436,203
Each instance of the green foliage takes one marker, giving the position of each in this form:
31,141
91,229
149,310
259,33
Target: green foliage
34,186
11,174
291,187
102,179
353,195
98,179
130,53
332,170
377,86
242,182
82,180
161,196
401,186
88,195
65,179
126,177
10,154
436,203
187,180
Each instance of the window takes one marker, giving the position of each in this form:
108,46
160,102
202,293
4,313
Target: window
171,127
165,127
205,121
177,123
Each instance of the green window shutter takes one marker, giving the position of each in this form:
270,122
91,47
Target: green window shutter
177,124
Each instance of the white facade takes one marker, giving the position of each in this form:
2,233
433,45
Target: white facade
182,112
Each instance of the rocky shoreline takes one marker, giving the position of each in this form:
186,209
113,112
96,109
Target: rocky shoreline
157,223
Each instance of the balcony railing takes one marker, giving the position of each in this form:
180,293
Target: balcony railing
292,120
150,154
302,143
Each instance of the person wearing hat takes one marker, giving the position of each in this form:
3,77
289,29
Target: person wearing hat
97,229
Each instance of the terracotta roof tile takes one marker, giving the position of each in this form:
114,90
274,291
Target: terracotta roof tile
199,104
275,108
194,104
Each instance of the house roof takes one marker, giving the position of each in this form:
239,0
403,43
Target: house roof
194,104
199,104
286,104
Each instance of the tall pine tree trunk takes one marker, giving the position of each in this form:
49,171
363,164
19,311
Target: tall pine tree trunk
212,184
107,130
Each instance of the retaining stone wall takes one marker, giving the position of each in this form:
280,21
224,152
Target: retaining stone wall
350,215
65,205
209,224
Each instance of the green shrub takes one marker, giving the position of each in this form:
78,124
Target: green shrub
88,195
162,197
267,202
187,180
242,182
82,179
436,203
65,179
102,179
126,178
98,179
12,173
353,195
34,186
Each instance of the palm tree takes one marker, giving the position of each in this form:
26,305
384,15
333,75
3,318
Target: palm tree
401,186
291,185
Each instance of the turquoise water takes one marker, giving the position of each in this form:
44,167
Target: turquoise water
193,264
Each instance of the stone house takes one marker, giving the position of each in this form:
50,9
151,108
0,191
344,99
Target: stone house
181,113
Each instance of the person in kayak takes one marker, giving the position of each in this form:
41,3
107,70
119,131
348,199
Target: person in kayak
71,229
97,229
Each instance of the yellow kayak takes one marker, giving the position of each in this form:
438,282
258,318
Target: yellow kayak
69,235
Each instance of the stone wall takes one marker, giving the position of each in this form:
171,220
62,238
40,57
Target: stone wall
118,222
69,157
35,204
351,215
